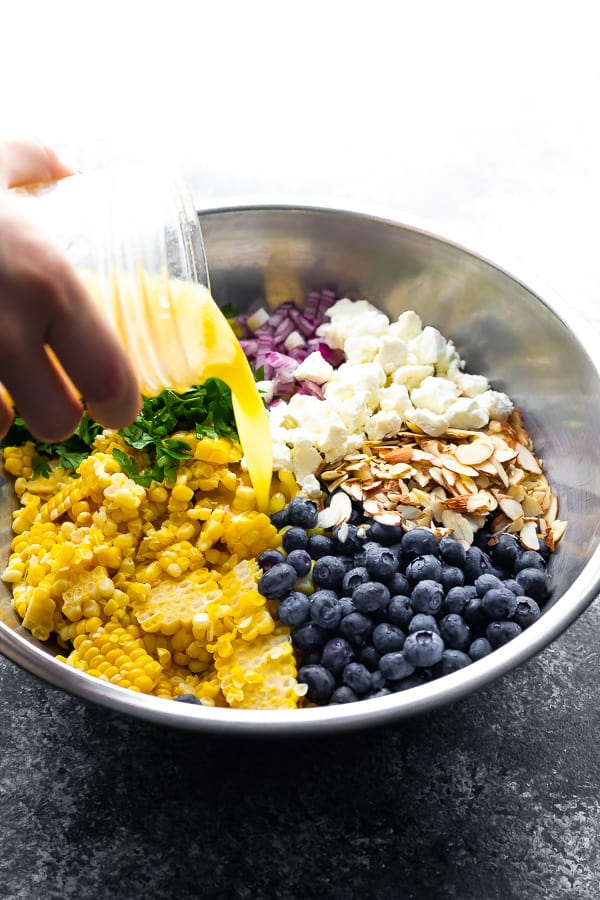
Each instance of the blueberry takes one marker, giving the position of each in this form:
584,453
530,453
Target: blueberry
337,653
309,636
320,681
499,603
427,597
386,534
188,698
423,568
476,563
499,633
451,576
311,658
419,542
356,628
328,572
399,611
505,550
302,512
455,632
300,560
395,666
294,609
370,596
479,648
369,657
544,550
455,600
474,615
511,584
535,584
398,584
452,551
418,678
353,578
294,538
378,680
423,622
527,612
346,606
346,539
319,545
270,558
343,694
396,549
325,609
423,648
357,677
381,563
387,638
281,519
529,559
277,581
486,582
452,661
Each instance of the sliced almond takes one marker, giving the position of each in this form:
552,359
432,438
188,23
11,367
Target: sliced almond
510,507
338,511
528,460
528,536
460,525
474,453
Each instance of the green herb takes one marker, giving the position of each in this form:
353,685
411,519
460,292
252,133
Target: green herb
205,409
69,453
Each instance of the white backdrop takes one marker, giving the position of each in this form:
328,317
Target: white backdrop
482,116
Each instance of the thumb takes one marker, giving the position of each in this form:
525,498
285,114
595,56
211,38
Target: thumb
29,162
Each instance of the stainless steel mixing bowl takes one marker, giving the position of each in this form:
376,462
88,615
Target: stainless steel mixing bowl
528,345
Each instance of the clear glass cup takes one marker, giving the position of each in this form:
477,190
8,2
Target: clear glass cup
132,232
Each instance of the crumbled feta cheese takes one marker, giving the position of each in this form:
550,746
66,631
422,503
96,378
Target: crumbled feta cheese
435,394
498,405
310,487
407,326
306,411
355,411
471,385
305,460
338,391
428,346
396,397
429,422
467,412
333,437
314,368
282,456
411,375
392,353
449,361
348,317
384,424
361,348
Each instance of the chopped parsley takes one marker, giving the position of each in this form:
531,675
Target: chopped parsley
205,409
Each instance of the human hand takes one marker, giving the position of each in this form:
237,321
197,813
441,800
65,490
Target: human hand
44,305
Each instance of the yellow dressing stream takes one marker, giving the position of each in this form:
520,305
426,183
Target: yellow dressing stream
190,340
